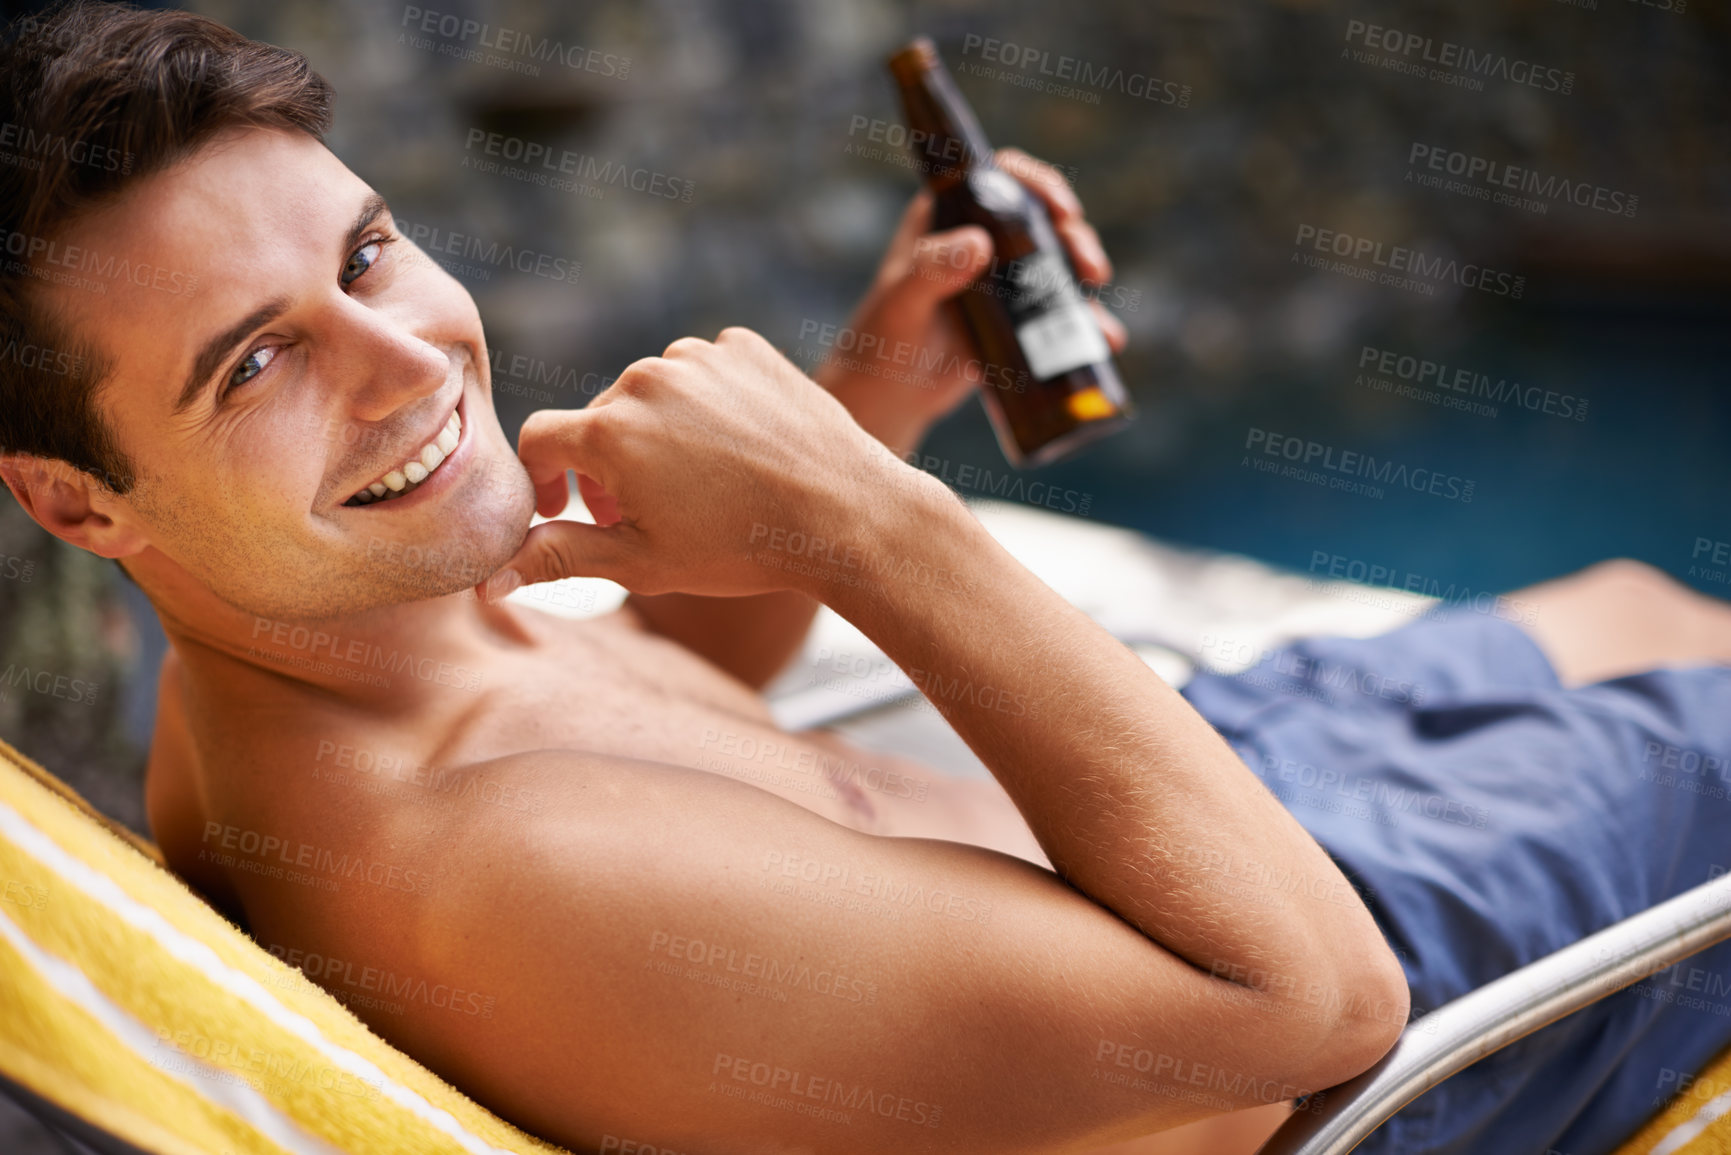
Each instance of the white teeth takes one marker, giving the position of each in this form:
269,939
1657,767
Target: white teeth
417,468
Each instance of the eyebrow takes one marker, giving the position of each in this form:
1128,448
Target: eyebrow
211,355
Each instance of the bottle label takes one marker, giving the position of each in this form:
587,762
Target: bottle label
1056,331
996,190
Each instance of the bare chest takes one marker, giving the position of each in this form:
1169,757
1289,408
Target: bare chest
629,694
594,687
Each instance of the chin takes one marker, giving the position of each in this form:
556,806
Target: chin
472,536
445,548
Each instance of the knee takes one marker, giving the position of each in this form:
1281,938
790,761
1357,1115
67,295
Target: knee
1626,575
1635,591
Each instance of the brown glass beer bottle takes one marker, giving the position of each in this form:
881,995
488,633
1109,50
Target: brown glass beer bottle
1048,380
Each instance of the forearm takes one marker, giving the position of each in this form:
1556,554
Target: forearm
1132,795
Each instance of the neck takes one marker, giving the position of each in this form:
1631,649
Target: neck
389,657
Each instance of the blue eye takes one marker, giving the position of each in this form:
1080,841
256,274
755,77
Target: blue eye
252,365
358,263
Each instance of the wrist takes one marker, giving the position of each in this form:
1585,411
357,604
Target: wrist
884,531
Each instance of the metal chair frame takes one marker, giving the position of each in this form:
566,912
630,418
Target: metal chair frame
1460,1033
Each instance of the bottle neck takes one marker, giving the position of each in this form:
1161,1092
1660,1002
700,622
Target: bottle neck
942,130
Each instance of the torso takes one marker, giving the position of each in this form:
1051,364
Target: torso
608,686
602,686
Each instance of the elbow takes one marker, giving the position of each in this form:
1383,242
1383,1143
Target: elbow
1371,1013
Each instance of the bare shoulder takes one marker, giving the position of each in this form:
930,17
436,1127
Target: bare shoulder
671,957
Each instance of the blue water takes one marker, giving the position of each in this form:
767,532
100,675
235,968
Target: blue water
1646,474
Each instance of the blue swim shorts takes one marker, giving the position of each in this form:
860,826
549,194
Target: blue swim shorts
1490,817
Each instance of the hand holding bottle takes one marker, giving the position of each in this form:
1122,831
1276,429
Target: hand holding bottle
1053,386
909,358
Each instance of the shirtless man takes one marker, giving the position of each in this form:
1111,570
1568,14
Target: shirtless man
361,759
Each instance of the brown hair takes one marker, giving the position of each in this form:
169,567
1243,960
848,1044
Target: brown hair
94,96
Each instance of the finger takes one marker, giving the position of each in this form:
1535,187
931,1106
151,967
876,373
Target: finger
744,338
552,496
1046,182
1117,336
603,506
1085,249
553,441
563,549
915,223
942,265
685,347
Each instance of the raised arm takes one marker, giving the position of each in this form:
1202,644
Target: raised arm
902,361
735,474
1134,798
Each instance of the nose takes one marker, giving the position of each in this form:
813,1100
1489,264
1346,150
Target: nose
382,365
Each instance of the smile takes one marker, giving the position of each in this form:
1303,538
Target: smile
410,474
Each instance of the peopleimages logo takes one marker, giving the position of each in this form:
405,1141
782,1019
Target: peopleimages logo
1371,576
1046,69
48,259
1711,560
354,659
1368,259
1508,184
1437,382
433,240
567,171
1447,62
48,683
33,146
493,44
1306,455
41,358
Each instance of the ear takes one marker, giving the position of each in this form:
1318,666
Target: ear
73,505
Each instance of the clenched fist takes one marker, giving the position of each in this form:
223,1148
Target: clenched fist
685,460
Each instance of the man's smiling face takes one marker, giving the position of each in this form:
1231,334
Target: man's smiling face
318,355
